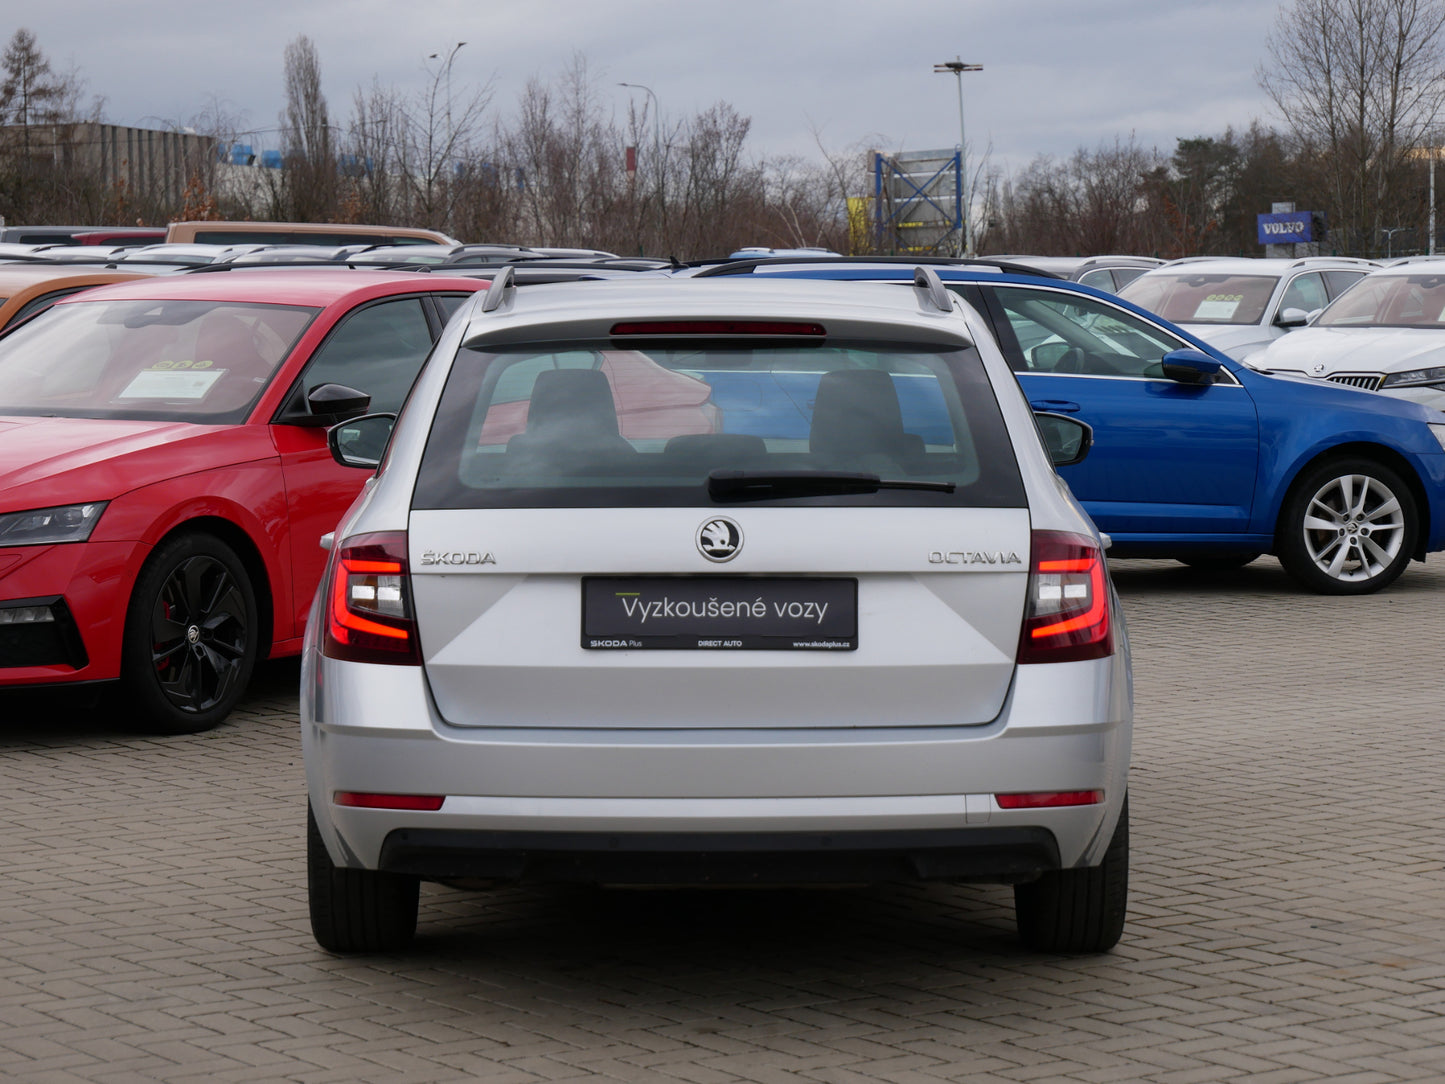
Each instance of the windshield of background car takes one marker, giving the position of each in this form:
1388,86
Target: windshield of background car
1197,297
200,361
1389,301
638,424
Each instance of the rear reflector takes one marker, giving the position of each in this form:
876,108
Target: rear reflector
1048,799
769,328
428,802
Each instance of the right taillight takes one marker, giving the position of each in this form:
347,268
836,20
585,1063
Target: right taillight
369,614
1067,616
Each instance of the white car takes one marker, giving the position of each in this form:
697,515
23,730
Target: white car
1387,333
716,580
1241,305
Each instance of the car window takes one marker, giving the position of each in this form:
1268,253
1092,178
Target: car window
1199,297
1066,333
450,303
378,349
599,424
1305,292
42,302
1389,301
1337,282
204,361
1099,279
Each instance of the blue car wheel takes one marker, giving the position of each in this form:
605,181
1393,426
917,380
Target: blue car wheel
1349,527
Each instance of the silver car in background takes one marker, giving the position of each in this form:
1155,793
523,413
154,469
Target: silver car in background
716,581
1240,305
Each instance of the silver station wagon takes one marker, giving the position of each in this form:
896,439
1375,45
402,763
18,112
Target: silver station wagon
716,581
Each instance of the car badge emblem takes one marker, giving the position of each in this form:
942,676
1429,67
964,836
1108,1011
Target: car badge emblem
1319,368
719,539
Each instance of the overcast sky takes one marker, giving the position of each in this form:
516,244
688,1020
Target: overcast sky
1058,74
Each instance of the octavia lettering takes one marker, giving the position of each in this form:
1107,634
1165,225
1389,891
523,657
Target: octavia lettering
974,557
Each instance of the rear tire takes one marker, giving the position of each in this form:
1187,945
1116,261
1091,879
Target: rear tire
1078,910
357,910
191,636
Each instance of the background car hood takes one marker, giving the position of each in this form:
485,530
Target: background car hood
1234,340
52,461
1356,350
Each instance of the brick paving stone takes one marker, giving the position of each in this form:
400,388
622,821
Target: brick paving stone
1287,913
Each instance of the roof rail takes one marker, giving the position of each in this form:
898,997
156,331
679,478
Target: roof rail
746,267
496,292
927,280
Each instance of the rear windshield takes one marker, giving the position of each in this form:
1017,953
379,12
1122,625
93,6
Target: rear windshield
607,424
1199,298
1389,301
199,361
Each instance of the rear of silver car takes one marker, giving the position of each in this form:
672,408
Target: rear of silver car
704,582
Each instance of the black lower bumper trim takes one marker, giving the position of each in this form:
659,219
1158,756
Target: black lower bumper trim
986,855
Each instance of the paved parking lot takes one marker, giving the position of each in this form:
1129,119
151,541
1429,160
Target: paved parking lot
1287,915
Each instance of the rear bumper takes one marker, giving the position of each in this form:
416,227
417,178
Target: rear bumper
750,805
992,855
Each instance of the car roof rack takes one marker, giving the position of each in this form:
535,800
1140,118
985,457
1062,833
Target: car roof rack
927,280
746,267
498,290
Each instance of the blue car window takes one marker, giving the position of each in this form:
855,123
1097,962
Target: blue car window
1066,333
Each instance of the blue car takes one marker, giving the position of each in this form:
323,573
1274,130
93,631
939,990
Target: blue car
1196,457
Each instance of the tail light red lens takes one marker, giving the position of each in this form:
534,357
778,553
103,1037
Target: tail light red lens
414,802
1049,799
369,616
1067,616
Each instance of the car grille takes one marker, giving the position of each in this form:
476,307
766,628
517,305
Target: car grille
1367,381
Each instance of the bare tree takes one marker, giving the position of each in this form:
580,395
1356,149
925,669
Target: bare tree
40,174
306,190
1360,80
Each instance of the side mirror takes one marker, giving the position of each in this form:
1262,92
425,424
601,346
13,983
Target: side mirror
1067,439
1289,318
336,402
361,442
1190,367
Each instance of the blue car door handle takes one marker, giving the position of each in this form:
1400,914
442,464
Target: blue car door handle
1055,406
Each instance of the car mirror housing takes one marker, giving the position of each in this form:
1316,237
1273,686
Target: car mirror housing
1067,439
1190,367
1289,318
361,442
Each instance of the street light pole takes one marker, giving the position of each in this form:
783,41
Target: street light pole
656,155
958,67
450,57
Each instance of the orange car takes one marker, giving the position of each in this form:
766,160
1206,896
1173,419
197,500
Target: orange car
299,233
27,288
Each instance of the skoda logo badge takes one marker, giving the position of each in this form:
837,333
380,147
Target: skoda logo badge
1319,368
719,539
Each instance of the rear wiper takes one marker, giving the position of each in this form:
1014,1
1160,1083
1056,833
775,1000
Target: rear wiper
741,485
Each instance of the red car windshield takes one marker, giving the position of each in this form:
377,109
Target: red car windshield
202,361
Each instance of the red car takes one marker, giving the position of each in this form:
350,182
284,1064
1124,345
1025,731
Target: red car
164,475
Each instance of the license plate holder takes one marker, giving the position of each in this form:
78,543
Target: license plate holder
719,613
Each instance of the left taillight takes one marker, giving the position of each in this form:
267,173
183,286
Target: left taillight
369,615
1067,617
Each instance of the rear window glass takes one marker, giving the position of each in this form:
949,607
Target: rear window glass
1200,298
609,424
